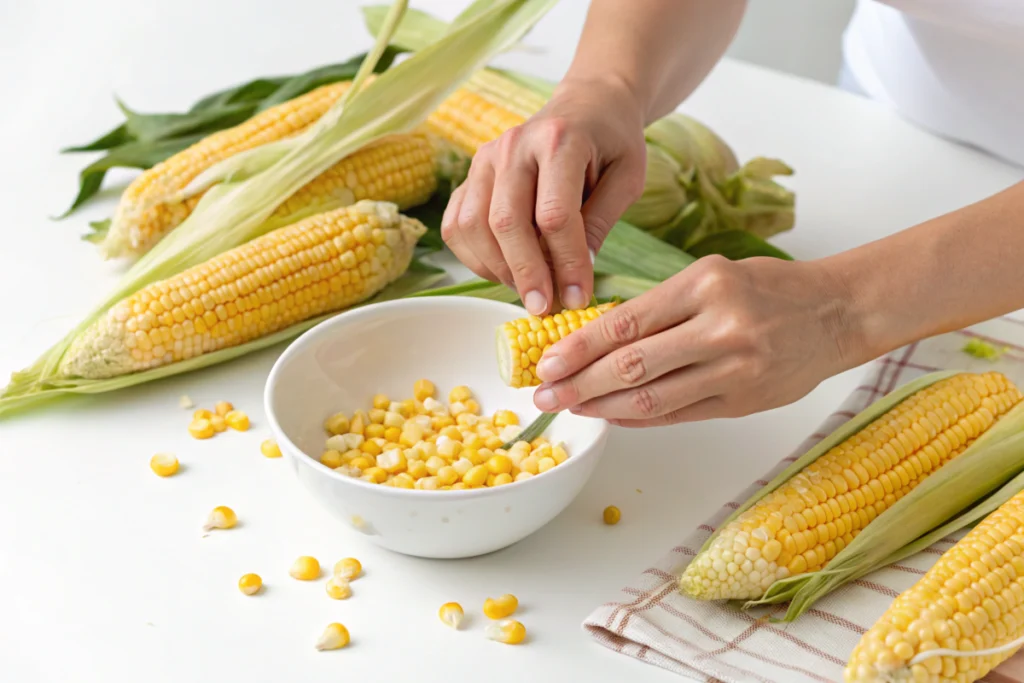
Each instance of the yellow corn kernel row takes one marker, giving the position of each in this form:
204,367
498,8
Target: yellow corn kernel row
423,443
206,423
522,342
804,523
972,599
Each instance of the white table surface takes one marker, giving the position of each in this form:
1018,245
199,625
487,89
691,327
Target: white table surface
104,575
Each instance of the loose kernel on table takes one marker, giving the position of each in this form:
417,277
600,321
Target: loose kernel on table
219,424
185,402
305,568
202,414
335,636
201,429
510,632
612,515
348,568
338,588
163,464
237,420
250,584
223,408
501,607
220,517
451,614
270,449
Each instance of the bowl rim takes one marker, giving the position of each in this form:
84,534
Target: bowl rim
299,344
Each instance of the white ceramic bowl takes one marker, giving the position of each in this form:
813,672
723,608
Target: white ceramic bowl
341,363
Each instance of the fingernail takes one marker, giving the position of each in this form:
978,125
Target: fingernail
545,399
551,368
593,256
535,302
572,297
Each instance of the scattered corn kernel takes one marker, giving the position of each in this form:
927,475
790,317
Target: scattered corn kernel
201,429
270,449
163,464
202,414
185,402
219,424
510,632
336,424
223,408
451,614
334,637
348,568
338,588
612,515
237,420
250,584
500,607
221,517
305,568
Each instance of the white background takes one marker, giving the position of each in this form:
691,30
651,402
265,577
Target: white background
104,575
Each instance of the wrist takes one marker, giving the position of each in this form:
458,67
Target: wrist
846,314
607,89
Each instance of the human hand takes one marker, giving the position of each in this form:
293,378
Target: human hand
571,170
719,339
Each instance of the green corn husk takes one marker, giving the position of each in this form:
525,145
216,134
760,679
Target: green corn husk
231,214
955,495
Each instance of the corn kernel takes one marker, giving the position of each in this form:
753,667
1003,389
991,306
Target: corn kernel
185,402
201,429
476,476
447,475
545,464
237,420
376,416
270,449
459,394
530,464
502,479
335,636
381,401
337,424
393,461
221,517
375,474
357,425
459,486
500,607
472,441
504,418
345,442
423,389
462,465
404,481
417,469
202,414
375,431
510,632
434,464
612,515
392,434
523,476
451,614
472,407
439,422
250,584
338,588
538,442
407,407
331,458
223,408
305,568
219,424
559,454
348,568
499,464
363,462
467,420
371,448
163,464
490,480
457,408
494,442
447,447
392,419
510,433
428,484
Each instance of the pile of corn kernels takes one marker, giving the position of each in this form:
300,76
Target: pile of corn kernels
422,443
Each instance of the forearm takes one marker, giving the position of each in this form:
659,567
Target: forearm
659,50
942,275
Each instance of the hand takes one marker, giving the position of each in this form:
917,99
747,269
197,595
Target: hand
571,170
719,339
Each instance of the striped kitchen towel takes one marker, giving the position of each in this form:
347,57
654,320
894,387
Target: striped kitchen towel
705,641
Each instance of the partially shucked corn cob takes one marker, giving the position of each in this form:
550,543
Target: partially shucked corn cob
522,342
322,264
804,523
397,168
972,599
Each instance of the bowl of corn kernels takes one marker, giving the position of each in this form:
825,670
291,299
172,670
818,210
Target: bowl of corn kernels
395,417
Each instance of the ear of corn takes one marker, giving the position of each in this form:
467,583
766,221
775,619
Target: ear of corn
322,264
971,600
853,485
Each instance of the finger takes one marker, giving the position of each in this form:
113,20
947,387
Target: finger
630,366
669,393
511,221
560,182
473,220
619,186
710,408
452,236
653,311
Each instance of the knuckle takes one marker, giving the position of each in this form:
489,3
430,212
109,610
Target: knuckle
645,402
552,217
621,326
524,271
713,275
502,220
597,228
554,132
508,143
449,231
629,365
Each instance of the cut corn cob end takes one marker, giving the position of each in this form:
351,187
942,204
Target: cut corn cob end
806,521
451,614
961,619
334,637
522,342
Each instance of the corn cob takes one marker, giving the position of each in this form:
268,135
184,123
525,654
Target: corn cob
522,342
318,265
805,522
399,169
972,599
